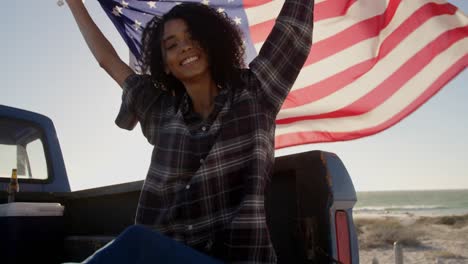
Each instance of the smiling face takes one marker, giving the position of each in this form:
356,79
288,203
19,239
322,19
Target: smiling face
184,58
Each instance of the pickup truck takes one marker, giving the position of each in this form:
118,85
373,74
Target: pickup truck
309,202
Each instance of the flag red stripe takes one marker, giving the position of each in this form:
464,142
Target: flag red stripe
392,8
370,28
361,31
259,32
328,9
254,3
333,83
394,82
299,138
327,86
331,8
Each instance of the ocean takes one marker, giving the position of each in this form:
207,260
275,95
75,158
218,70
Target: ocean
424,203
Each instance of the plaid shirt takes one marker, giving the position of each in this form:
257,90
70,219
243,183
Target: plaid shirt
205,185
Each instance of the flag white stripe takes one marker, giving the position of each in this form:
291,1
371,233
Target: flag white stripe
353,55
329,27
392,106
331,65
323,28
258,46
359,12
382,70
367,49
265,12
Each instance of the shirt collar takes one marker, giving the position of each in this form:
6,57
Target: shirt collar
187,109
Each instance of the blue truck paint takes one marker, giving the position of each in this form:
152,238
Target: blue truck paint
344,198
59,181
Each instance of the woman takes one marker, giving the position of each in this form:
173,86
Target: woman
211,121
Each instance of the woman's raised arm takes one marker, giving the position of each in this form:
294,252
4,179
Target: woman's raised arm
101,48
284,52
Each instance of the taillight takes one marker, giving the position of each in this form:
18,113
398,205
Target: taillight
342,237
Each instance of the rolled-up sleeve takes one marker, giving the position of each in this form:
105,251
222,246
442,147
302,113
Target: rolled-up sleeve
139,95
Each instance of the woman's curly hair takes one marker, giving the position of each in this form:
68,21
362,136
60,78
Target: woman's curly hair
217,35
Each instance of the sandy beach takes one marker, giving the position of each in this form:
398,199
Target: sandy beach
441,239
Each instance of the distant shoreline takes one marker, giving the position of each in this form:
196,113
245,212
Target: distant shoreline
419,203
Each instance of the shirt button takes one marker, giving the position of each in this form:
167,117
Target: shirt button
187,186
189,227
209,244
203,128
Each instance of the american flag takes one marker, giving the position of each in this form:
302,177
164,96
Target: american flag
372,63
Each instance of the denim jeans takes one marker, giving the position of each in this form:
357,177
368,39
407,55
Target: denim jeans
141,245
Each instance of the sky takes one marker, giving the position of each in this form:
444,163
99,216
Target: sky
47,68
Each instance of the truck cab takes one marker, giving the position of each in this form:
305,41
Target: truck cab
309,202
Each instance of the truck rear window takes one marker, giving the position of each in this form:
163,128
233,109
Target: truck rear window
21,148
